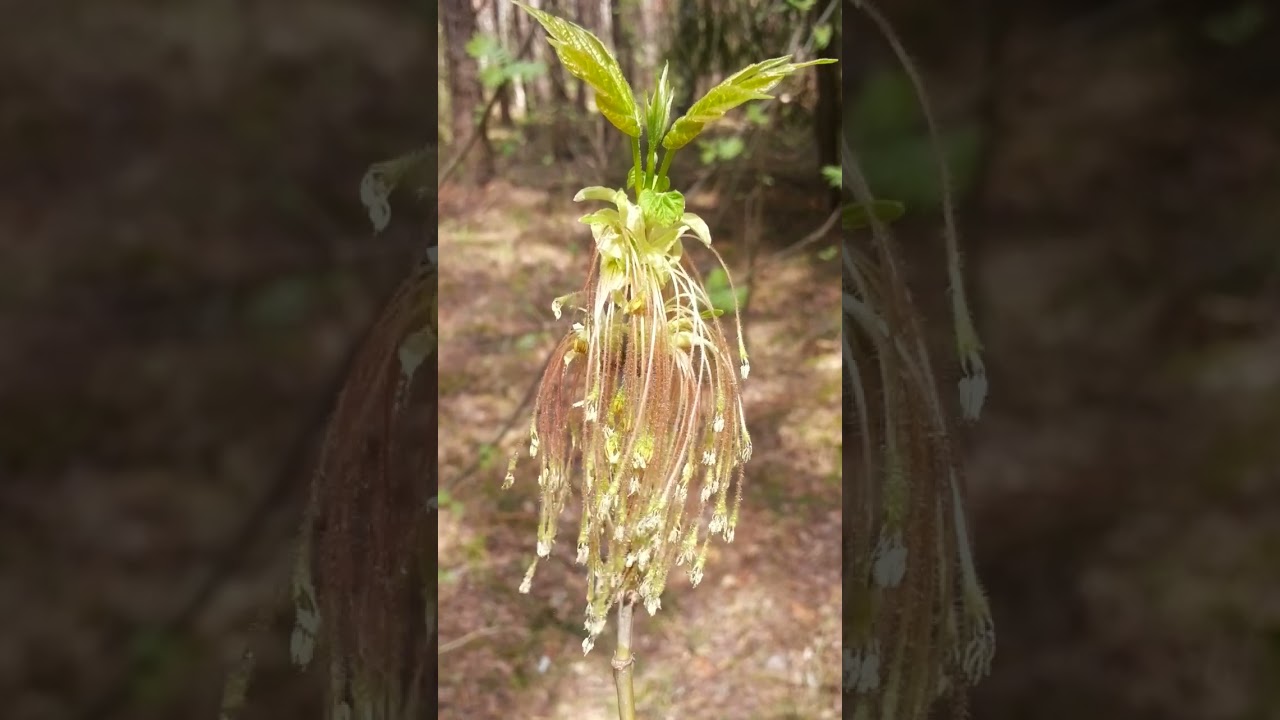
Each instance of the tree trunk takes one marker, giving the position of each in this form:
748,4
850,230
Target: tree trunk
504,92
542,52
690,58
560,125
520,89
650,33
622,41
589,18
465,95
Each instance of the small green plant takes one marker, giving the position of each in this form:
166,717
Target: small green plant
497,66
640,407
714,150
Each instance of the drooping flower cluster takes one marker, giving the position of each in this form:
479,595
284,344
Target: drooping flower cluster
640,409
639,406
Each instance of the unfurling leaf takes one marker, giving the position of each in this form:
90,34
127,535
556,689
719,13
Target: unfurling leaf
661,208
750,83
658,110
587,59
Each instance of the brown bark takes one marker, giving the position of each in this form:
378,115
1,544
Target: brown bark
650,32
504,92
560,125
589,18
465,94
622,41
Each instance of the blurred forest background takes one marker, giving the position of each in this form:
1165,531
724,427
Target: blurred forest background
1118,165
759,638
184,265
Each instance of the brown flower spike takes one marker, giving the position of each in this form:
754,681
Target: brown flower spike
640,408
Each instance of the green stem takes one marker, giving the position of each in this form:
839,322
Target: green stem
624,662
635,160
666,163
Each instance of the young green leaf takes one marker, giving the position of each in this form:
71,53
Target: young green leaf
587,59
662,208
750,83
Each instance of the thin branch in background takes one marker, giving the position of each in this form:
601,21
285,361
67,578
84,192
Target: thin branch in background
820,232
510,423
468,638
